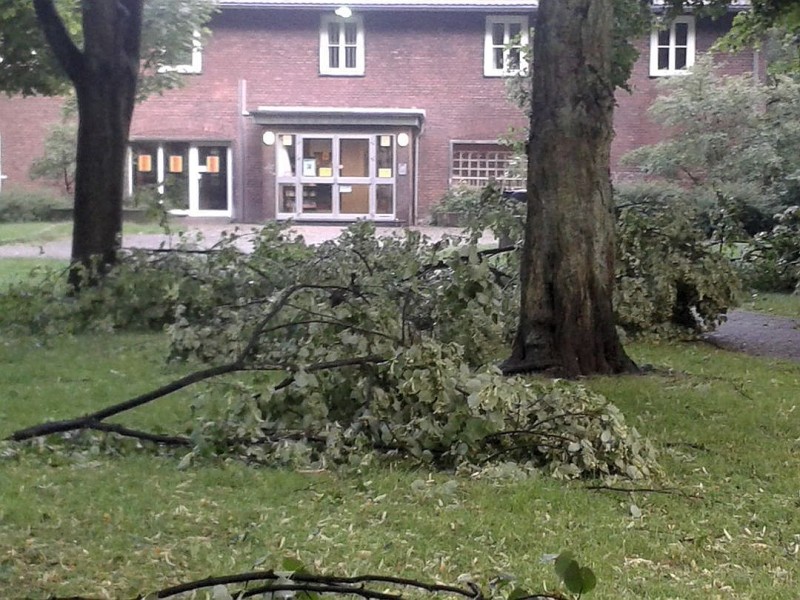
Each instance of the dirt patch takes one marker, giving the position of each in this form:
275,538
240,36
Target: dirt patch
759,335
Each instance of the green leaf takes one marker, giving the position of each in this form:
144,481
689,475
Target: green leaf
293,565
518,593
589,580
573,579
563,561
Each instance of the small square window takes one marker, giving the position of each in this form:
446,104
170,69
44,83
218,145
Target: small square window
341,46
505,39
672,48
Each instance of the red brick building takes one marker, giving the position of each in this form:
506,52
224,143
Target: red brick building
306,109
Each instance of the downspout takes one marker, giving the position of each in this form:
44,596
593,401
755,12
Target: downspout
242,143
757,65
415,203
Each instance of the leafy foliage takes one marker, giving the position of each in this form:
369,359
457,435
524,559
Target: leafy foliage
732,136
771,262
29,67
19,206
486,208
358,345
57,164
579,580
668,273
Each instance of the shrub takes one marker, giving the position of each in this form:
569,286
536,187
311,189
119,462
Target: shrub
481,209
771,262
22,206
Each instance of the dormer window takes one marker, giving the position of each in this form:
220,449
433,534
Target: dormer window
672,48
341,46
505,39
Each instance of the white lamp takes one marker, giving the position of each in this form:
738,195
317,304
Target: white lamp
344,12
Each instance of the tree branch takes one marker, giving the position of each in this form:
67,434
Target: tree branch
167,440
314,583
66,52
91,420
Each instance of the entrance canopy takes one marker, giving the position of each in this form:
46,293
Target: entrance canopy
330,116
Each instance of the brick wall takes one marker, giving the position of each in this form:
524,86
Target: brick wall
24,124
438,68
632,123
418,60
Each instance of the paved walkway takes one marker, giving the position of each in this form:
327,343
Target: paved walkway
211,232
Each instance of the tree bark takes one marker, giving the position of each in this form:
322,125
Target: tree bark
105,74
566,316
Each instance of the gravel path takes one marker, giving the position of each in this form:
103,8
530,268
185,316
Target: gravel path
753,333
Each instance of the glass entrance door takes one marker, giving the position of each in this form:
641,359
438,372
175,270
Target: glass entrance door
332,177
212,192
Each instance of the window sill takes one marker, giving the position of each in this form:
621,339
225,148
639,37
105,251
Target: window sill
345,74
681,73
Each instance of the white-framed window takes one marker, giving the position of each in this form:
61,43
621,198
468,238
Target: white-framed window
672,47
191,58
341,46
506,37
475,164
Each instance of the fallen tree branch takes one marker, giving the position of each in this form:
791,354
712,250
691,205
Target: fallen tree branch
94,420
324,584
91,420
166,440
643,490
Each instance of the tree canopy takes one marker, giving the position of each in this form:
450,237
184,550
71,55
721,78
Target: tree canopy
28,65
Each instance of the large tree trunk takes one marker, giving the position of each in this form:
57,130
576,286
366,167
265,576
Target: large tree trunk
566,319
105,74
104,122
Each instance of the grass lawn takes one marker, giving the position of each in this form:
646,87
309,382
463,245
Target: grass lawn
39,233
100,524
782,305
14,270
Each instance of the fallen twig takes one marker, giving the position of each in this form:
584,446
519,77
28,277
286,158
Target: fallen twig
643,490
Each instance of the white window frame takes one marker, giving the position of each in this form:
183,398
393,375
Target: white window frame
690,48
324,57
193,68
489,69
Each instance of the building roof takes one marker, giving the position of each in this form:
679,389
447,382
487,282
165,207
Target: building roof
524,5
418,4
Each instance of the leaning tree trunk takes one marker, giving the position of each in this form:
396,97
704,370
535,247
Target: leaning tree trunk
104,74
566,318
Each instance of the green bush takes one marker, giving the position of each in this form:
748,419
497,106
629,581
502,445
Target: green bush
26,206
481,209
